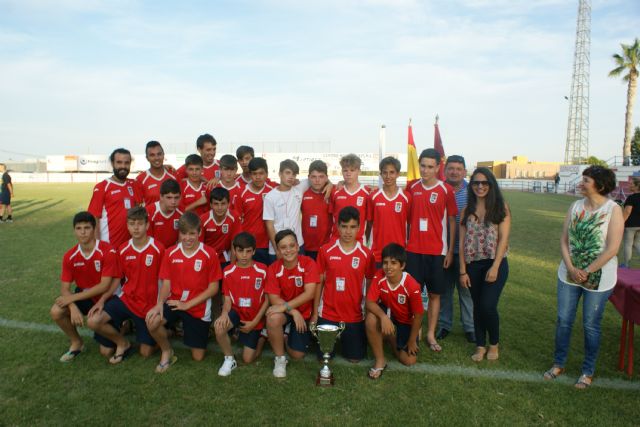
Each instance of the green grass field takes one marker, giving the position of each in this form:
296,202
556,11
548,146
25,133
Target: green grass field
444,389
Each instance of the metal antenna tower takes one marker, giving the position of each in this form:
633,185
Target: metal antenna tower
577,148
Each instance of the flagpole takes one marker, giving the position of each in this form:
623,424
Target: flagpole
382,146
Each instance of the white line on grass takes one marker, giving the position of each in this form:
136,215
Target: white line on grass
423,368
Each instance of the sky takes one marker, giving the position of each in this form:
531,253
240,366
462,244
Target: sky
87,76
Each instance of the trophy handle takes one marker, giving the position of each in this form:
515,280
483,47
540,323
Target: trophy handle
341,327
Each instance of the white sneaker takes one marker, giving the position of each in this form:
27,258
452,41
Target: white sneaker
228,366
280,367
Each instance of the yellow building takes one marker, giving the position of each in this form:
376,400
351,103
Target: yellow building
521,167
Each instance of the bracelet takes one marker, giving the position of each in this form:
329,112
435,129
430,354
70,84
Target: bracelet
288,307
463,274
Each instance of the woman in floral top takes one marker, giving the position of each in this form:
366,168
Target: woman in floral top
484,238
590,241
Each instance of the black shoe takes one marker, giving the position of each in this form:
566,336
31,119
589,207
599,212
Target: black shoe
442,334
471,337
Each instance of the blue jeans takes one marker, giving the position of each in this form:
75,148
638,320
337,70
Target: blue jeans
593,305
452,277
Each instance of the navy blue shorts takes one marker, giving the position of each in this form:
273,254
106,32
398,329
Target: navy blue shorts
196,331
5,198
428,270
353,341
311,254
403,331
248,340
297,341
119,312
85,306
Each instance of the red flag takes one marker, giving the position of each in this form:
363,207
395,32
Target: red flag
413,169
437,144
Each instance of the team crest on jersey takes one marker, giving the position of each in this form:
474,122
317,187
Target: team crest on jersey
398,207
258,283
433,198
96,263
225,228
355,262
217,173
299,282
402,299
263,195
175,224
197,266
148,260
130,190
360,201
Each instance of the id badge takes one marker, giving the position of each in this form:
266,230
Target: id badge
424,224
127,203
340,284
245,302
185,295
313,221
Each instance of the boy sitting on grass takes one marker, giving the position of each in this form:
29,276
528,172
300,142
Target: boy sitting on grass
190,273
394,311
92,266
244,304
139,259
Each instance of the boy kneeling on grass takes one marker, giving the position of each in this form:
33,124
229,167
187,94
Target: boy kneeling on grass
190,273
93,266
394,311
139,259
244,304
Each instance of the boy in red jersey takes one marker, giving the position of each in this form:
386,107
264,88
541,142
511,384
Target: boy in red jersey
206,146
140,260
433,209
190,273
244,154
316,219
112,198
394,311
251,206
351,194
164,214
151,180
93,266
291,285
347,267
228,171
219,225
244,305
388,210
195,195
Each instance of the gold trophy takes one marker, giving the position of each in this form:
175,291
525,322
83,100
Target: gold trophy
327,335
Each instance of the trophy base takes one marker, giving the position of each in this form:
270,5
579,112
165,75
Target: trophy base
324,381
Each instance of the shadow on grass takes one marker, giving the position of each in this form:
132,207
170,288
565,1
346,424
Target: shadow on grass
40,208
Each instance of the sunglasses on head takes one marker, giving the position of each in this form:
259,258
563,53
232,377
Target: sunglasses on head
480,183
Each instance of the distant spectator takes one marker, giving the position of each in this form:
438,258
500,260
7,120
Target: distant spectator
631,216
590,240
556,181
6,194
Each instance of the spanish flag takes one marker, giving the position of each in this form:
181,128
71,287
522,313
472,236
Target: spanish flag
413,169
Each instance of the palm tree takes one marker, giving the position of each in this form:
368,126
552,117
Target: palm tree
628,63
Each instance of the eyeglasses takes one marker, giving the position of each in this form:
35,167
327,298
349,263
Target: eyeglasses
480,183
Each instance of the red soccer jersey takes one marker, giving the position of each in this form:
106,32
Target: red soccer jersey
208,172
163,228
235,191
389,217
245,287
251,204
151,185
344,282
219,235
191,194
109,203
87,271
140,268
358,199
404,301
430,210
190,276
316,220
289,283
